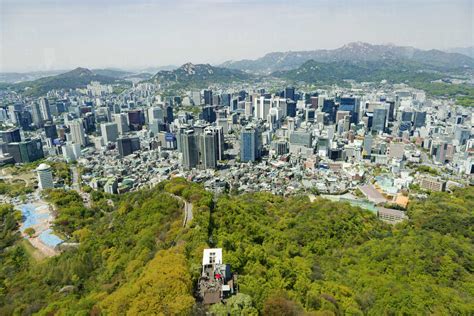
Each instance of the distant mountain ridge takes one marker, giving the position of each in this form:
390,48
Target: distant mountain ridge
199,75
468,51
76,78
356,51
362,71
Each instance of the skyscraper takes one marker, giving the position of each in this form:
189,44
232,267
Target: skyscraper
329,107
127,145
379,121
291,108
26,151
208,97
250,145
290,93
169,117
77,132
11,135
45,109
122,122
37,116
419,119
208,149
350,104
189,149
109,132
155,113
208,114
50,131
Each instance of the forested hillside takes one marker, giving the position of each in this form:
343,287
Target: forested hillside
292,257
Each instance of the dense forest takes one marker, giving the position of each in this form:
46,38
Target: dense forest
292,256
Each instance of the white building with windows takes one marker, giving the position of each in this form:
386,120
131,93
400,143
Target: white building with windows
45,177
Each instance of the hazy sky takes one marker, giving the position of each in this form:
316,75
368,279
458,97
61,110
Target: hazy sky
63,34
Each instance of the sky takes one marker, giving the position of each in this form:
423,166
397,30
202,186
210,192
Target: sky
132,34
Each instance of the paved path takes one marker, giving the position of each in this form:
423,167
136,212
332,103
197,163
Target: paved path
188,210
76,185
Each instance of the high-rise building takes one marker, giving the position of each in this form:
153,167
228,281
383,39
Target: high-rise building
78,135
208,114
122,122
169,117
25,119
11,135
219,130
351,105
462,134
45,109
50,131
156,113
128,145
109,132
419,119
407,116
291,108
45,177
225,99
36,115
379,121
208,149
189,149
301,138
208,100
250,144
136,120
329,107
368,140
26,151
290,93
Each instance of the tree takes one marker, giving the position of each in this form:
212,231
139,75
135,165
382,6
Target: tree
30,231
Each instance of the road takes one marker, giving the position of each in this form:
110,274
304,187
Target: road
188,210
76,185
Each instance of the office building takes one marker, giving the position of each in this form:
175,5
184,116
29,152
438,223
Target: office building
208,149
11,135
26,151
208,114
45,177
379,121
290,93
36,115
128,145
45,109
329,107
189,149
208,100
136,120
433,184
291,108
301,138
156,113
169,117
50,131
78,135
351,105
250,144
109,132
419,119
122,122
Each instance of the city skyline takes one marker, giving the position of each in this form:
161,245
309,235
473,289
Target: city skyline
64,35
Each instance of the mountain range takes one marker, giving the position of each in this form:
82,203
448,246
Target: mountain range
357,61
199,75
354,52
77,78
